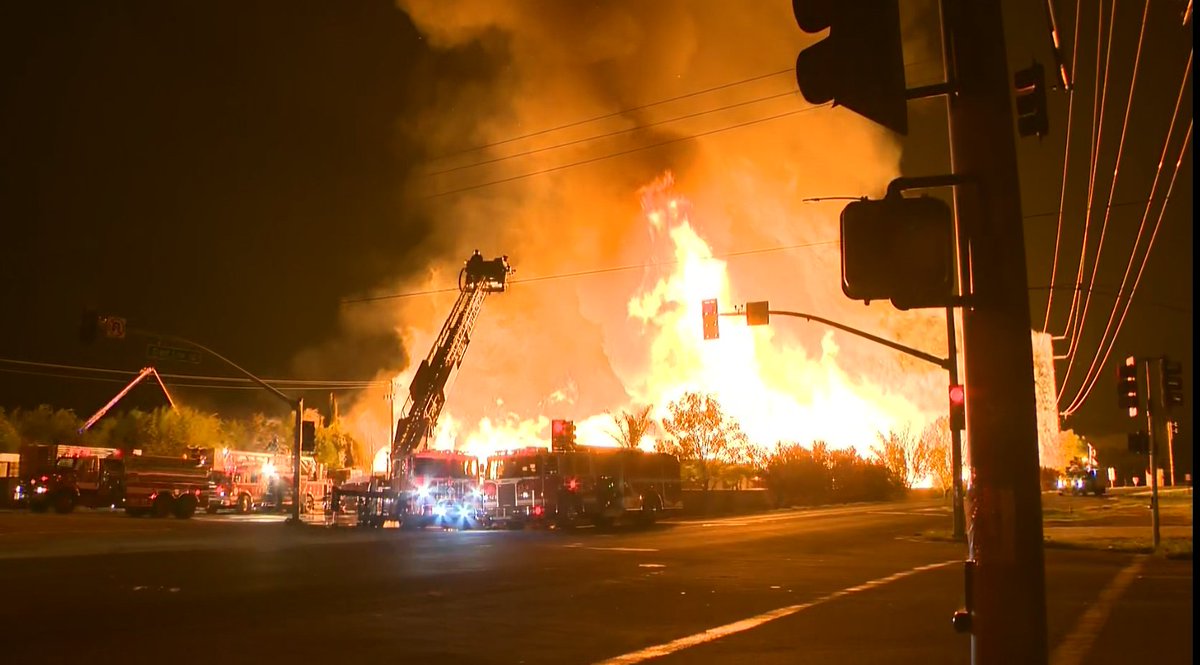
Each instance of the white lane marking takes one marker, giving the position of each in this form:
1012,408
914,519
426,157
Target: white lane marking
579,546
711,634
1076,645
651,565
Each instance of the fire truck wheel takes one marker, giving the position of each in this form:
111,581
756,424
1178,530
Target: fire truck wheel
243,504
64,502
185,507
310,504
162,506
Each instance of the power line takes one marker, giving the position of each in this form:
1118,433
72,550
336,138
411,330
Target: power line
614,114
611,134
595,271
1062,194
622,153
1141,269
631,109
291,383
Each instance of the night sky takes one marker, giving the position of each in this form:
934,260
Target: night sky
231,171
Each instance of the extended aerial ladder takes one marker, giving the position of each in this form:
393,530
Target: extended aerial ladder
146,371
427,391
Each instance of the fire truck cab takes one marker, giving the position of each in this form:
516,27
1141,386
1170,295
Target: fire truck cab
445,490
601,486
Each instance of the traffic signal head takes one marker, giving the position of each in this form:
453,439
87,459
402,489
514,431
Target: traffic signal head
860,65
898,249
958,407
562,435
1127,386
308,436
89,326
708,309
1139,443
1172,373
1030,91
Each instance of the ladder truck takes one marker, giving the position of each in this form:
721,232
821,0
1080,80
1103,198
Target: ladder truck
400,497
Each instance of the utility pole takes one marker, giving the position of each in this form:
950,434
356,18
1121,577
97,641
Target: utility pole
1007,577
296,460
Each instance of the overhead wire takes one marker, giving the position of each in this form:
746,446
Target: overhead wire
1141,269
618,132
614,114
620,153
595,271
1099,97
294,384
1087,296
1095,368
1062,194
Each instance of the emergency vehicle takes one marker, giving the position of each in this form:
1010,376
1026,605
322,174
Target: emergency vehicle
399,495
245,481
600,486
106,477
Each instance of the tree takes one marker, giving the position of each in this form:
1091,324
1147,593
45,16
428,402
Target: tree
632,426
904,455
702,434
46,424
10,439
941,467
337,448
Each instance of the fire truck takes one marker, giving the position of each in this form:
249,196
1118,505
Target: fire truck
397,496
105,477
446,490
244,481
562,488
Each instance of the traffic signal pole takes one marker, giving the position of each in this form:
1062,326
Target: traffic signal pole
1153,444
956,457
296,460
1008,602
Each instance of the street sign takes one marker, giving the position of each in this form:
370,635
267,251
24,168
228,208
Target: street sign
114,327
170,353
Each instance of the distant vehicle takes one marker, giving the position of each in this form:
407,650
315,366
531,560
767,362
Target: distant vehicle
600,486
1081,479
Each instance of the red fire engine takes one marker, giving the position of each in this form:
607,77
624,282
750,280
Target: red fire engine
596,485
246,481
99,477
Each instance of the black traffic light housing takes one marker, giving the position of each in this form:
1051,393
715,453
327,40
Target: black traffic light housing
308,436
1029,88
89,326
860,65
1172,376
958,403
708,310
899,249
562,435
1139,443
1128,395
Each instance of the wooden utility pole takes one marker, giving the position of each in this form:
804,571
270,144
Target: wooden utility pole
1008,612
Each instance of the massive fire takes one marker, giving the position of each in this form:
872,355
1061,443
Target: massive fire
772,386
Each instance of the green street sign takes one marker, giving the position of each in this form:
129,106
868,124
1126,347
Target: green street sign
159,352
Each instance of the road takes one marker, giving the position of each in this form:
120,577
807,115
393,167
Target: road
848,584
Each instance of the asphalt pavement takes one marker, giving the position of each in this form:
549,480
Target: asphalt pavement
851,584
